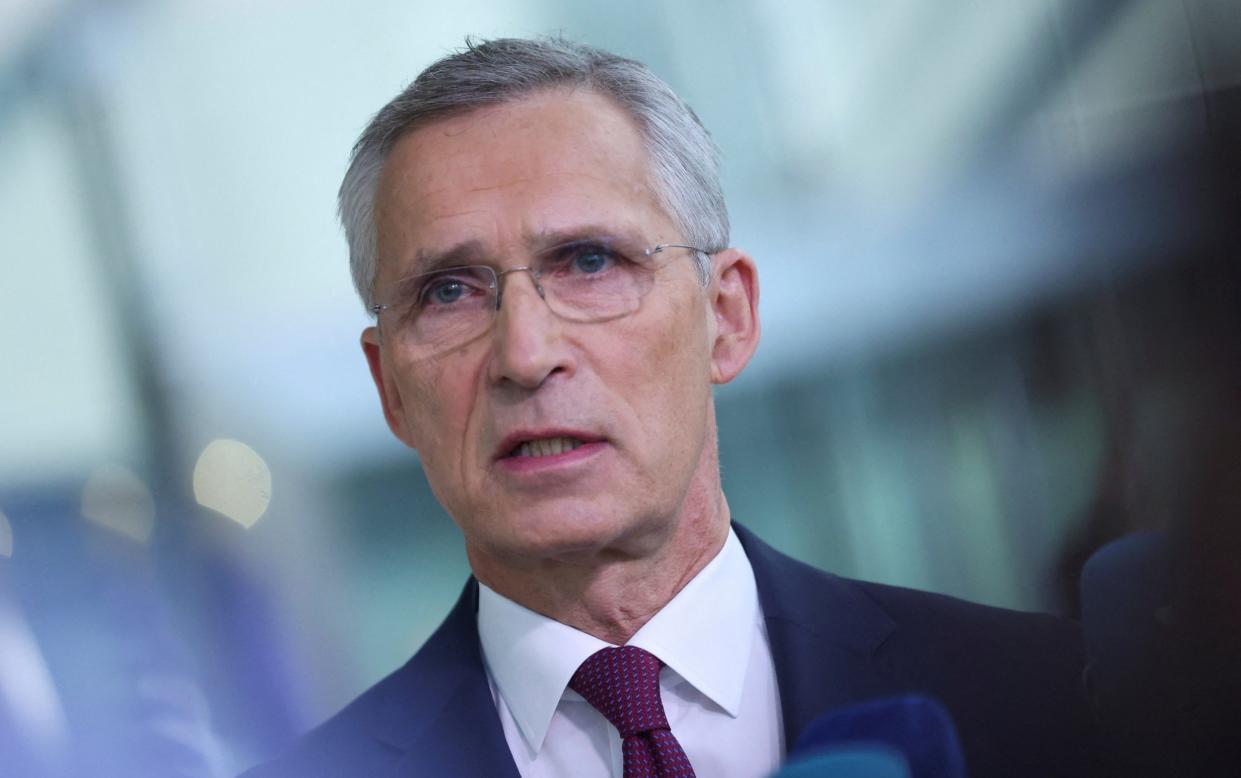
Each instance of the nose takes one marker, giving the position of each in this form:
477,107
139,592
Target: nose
500,279
528,342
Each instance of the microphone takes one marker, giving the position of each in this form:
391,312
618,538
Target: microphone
1127,623
910,736
848,762
1165,698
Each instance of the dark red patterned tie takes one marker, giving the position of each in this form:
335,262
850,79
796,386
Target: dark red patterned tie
623,684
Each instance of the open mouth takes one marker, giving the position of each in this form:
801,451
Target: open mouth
546,447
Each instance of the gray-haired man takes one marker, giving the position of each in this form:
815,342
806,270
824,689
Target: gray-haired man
539,228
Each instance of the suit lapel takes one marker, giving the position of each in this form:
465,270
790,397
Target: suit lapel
441,713
824,634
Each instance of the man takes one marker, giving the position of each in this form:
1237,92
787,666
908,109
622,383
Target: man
540,230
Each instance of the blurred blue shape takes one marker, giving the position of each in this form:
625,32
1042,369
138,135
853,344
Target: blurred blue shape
863,761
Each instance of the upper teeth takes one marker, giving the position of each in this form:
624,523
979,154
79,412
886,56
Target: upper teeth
547,447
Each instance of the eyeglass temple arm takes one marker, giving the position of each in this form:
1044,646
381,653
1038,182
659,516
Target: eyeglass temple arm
659,248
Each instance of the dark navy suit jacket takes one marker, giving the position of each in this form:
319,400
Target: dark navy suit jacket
1011,681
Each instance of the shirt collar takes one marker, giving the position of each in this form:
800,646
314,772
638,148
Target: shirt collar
706,632
704,635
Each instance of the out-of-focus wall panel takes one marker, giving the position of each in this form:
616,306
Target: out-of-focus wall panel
66,401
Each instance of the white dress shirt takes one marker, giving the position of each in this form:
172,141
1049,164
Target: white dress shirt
718,684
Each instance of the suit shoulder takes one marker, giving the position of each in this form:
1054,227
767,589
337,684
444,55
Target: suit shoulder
1015,676
942,619
372,733
343,744
865,614
1012,681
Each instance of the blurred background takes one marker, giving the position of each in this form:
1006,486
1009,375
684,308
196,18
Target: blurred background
1000,303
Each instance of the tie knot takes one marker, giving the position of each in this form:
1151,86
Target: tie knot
623,684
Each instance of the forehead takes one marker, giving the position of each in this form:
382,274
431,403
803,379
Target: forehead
498,175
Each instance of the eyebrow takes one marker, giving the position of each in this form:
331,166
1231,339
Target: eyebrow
472,252
622,235
468,252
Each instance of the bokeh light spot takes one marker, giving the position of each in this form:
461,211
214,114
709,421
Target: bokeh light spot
231,478
6,536
116,499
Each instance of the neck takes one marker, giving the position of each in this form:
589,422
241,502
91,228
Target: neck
616,589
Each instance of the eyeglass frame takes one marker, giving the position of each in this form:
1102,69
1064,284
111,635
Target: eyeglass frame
535,274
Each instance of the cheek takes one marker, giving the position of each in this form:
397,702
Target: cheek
668,371
681,350
439,405
436,403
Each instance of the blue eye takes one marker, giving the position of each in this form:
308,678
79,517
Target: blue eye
444,291
592,261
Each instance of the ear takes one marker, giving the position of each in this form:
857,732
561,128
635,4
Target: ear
385,384
733,296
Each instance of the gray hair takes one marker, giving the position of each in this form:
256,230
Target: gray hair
684,160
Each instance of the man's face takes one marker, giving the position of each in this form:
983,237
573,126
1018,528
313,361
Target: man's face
502,181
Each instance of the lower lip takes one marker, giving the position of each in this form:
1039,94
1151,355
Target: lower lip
552,461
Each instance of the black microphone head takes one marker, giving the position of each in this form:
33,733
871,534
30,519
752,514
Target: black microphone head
916,727
1131,647
1126,593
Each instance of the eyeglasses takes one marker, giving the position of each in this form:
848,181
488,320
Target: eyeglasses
590,280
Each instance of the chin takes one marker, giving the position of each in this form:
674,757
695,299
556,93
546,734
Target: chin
569,531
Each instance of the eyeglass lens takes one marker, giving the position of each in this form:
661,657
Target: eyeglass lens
585,280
